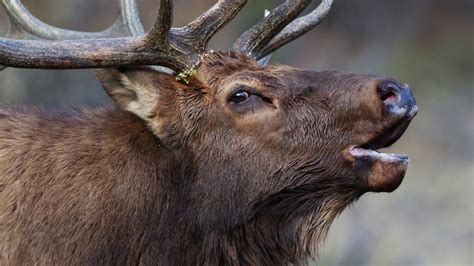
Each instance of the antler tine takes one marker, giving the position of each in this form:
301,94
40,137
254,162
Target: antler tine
128,23
130,17
297,28
254,39
159,33
202,29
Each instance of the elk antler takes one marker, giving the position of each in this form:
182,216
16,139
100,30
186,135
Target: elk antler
126,44
177,49
270,33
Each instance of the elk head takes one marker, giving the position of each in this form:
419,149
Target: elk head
264,140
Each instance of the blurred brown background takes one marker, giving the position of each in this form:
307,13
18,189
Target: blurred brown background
428,44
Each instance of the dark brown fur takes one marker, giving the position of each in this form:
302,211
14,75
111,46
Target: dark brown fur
189,178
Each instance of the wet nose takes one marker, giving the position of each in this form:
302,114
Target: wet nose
397,98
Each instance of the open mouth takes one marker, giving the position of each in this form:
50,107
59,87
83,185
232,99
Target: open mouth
386,139
374,170
381,171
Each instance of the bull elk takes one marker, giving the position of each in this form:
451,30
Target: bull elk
206,157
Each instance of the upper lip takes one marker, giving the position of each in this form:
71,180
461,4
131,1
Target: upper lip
388,136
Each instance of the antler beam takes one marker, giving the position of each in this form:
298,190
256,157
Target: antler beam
75,54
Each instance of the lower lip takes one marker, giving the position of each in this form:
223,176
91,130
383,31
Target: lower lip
386,157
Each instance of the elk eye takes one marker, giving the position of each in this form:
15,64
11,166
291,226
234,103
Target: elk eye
239,96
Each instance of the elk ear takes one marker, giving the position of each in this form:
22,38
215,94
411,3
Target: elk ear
137,90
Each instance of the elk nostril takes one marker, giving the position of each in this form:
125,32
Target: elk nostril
397,99
388,92
389,97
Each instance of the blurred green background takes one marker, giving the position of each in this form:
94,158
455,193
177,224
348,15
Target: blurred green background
428,44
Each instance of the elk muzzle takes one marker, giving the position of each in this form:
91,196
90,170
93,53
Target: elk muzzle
384,172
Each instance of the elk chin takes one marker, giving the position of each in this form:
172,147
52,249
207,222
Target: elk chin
376,171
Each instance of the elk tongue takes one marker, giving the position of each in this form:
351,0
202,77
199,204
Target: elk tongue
380,172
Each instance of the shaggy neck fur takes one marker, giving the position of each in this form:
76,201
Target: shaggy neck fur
99,188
